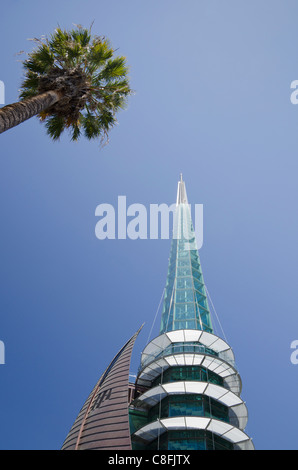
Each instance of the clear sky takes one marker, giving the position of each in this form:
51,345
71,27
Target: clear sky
212,100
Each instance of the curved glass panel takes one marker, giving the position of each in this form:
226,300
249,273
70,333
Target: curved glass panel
188,373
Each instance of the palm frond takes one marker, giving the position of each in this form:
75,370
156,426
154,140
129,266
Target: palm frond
92,82
55,126
76,132
81,36
114,68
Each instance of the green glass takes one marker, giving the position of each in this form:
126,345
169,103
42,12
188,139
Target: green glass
188,405
137,419
185,301
188,373
185,440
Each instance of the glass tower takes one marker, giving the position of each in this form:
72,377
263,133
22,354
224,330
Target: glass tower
185,302
187,391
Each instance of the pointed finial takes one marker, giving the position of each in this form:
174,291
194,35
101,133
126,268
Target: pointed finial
181,193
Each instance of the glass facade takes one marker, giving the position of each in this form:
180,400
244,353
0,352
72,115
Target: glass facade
185,440
179,405
185,302
192,440
188,405
189,373
179,348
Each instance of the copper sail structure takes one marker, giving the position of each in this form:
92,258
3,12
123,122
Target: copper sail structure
188,388
103,422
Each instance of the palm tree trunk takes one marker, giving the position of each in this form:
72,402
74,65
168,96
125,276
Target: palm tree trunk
16,113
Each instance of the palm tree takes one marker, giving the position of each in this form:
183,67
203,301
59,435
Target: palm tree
72,81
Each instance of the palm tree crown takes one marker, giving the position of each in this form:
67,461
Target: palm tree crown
91,84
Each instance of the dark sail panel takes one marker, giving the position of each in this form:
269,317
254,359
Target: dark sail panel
103,422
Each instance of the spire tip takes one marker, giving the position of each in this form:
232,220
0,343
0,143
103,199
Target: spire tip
181,193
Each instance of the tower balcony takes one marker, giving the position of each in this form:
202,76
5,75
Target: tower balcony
192,392
199,398
212,365
190,425
189,348
203,339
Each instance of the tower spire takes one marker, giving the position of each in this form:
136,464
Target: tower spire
181,192
187,388
185,302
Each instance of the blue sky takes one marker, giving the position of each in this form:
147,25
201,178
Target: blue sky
212,100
